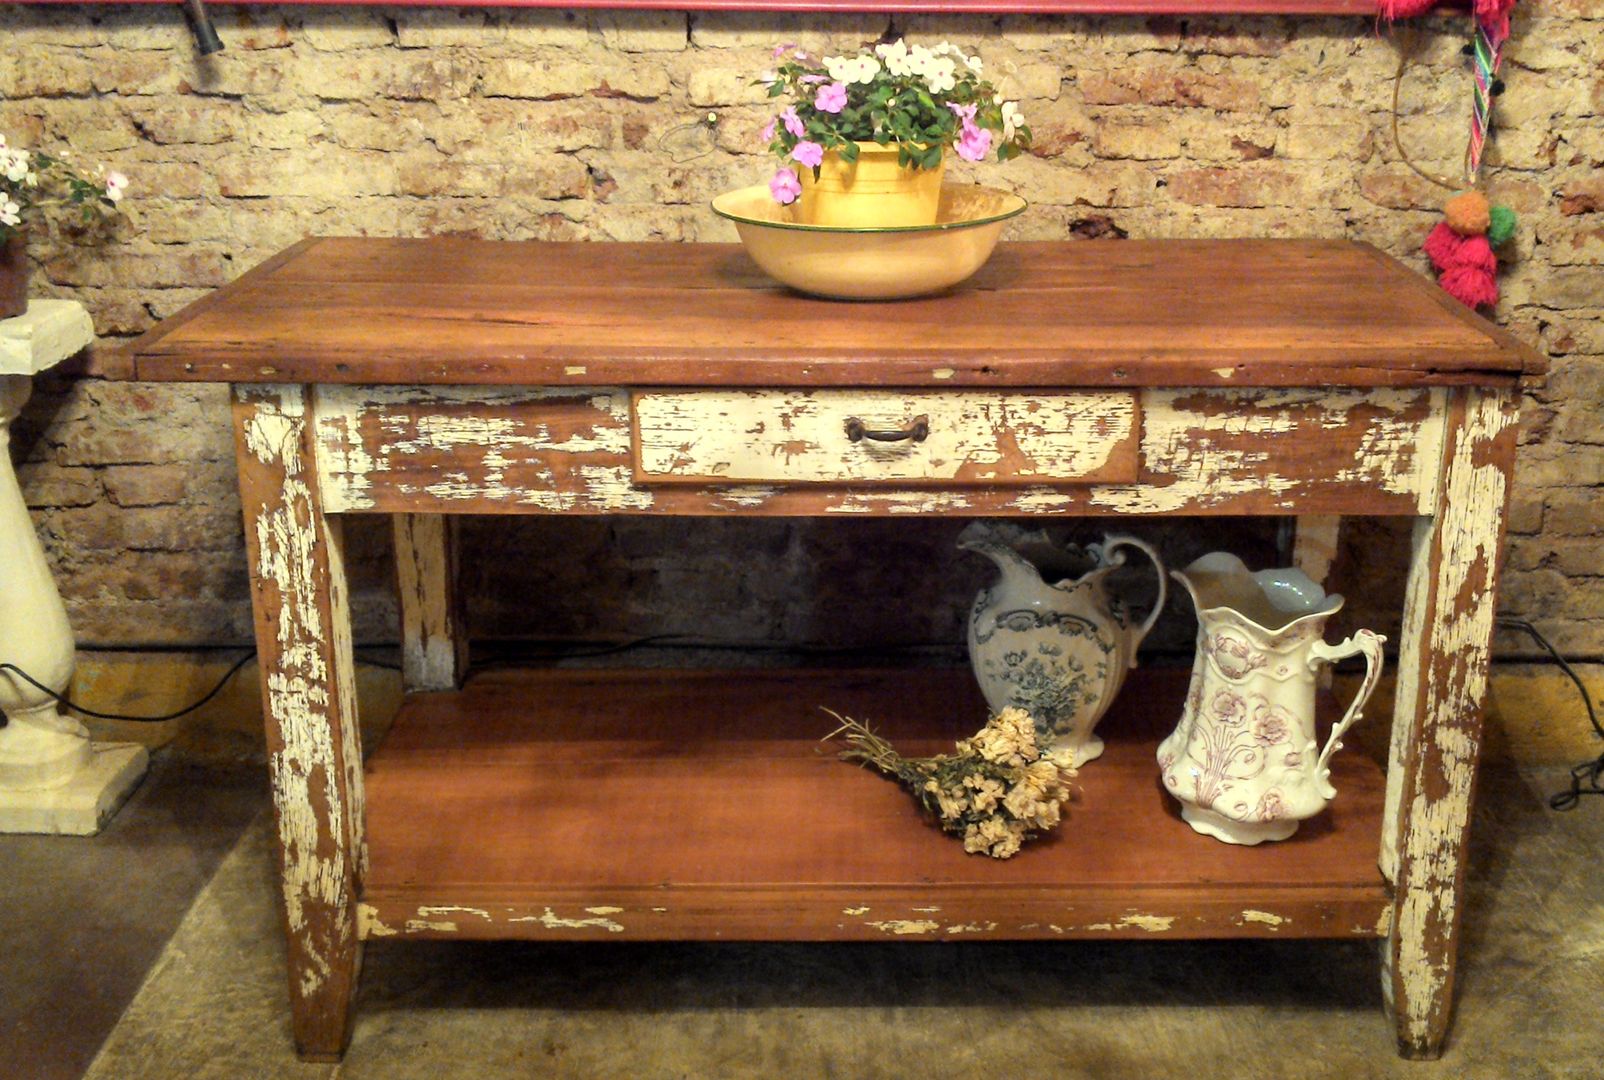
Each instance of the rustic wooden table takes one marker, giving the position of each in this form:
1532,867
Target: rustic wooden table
429,378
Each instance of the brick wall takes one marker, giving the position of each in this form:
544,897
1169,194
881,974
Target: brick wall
517,124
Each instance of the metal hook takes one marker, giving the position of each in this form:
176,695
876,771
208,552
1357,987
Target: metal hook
200,24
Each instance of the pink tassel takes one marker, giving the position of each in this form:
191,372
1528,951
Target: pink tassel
1442,246
1470,285
1474,254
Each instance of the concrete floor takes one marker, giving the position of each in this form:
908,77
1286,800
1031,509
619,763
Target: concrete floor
214,1002
86,917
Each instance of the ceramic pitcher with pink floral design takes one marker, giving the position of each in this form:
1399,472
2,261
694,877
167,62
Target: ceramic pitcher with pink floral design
1244,761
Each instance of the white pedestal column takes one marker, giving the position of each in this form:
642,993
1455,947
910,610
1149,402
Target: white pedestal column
52,778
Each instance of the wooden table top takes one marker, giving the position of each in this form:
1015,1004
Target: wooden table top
1060,313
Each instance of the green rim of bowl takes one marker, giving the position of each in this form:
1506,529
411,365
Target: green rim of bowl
940,226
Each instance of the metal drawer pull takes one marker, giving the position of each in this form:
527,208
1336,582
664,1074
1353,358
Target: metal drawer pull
916,431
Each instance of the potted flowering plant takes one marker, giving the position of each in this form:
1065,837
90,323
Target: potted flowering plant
863,139
29,183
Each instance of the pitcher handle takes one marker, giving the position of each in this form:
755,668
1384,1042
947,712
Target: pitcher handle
1121,540
1368,644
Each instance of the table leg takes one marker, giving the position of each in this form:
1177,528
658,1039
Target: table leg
1442,683
434,639
1314,544
303,636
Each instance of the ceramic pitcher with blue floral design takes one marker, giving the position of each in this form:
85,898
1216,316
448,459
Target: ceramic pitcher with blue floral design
1244,761
1049,636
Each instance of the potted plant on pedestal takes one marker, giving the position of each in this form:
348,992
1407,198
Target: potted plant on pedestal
30,182
863,139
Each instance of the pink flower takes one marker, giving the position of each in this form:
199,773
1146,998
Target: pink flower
964,112
1228,708
1270,725
781,50
808,153
1268,731
1271,806
974,142
785,187
813,80
767,134
832,98
793,122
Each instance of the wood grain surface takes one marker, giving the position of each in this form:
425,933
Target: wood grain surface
651,804
1129,313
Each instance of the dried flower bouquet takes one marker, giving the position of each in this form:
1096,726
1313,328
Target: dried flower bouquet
998,790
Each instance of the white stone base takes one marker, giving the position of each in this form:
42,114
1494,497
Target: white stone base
83,804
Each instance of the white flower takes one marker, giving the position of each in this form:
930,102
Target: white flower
15,165
973,63
839,67
10,212
1012,119
895,57
864,69
941,75
944,49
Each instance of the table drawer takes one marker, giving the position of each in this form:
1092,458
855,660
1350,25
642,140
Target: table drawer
904,438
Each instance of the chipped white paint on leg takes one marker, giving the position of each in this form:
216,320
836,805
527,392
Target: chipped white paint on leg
303,639
1437,728
434,645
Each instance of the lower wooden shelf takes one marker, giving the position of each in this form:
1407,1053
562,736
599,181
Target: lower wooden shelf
696,805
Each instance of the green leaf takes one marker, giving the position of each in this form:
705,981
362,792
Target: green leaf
848,151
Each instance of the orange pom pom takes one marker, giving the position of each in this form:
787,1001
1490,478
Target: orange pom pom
1468,213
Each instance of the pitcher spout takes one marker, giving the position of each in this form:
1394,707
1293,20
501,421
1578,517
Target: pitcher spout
1017,571
1270,600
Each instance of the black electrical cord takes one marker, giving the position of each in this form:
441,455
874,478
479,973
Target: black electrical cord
217,688
1588,777
67,703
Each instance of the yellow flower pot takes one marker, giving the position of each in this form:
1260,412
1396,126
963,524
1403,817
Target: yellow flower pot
873,192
